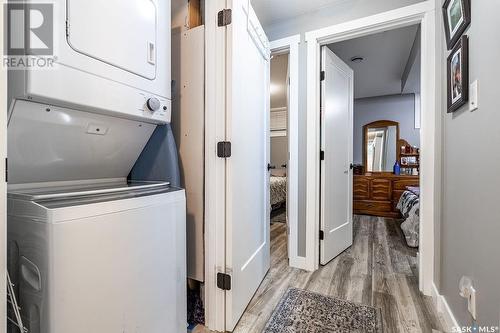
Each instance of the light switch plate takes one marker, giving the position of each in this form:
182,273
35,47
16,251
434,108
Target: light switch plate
473,96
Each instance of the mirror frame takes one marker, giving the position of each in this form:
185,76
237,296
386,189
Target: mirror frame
378,124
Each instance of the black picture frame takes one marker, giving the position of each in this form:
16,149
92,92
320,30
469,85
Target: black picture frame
452,38
458,94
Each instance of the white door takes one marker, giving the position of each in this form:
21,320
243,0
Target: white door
247,186
336,143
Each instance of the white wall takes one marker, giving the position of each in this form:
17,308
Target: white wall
279,151
338,13
470,227
400,108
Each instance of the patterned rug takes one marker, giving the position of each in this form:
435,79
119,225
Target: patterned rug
306,312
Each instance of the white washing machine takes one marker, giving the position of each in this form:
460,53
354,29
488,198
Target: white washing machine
102,258
88,251
111,57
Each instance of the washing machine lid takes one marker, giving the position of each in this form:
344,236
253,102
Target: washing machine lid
81,195
51,144
57,193
120,33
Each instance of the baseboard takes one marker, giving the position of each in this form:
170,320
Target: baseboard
444,310
298,262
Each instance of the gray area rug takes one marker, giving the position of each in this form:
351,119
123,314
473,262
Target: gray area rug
307,312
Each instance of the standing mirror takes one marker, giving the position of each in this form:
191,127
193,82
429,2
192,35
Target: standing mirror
380,151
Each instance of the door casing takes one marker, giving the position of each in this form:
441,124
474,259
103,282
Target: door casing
290,45
216,182
423,13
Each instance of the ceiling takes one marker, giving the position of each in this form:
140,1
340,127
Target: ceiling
271,11
385,57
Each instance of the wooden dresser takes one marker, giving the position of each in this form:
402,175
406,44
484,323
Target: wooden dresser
378,194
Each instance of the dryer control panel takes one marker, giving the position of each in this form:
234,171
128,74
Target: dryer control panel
156,108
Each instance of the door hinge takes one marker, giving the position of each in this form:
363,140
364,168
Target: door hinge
321,235
224,149
224,17
67,28
322,76
6,170
223,281
322,155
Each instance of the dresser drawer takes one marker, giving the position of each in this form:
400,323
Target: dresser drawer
373,206
361,188
381,189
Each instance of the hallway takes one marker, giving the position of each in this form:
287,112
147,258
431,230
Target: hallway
379,270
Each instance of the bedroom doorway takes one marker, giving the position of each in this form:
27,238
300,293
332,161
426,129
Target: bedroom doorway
419,17
279,150
386,137
284,150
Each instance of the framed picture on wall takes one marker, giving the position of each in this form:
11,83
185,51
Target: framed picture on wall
458,75
457,17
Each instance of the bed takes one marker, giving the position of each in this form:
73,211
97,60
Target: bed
278,192
409,206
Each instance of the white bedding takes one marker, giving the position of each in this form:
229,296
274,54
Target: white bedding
278,190
409,205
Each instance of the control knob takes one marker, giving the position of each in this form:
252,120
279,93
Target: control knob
153,104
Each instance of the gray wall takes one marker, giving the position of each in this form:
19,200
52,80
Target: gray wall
279,76
470,228
400,108
342,12
279,151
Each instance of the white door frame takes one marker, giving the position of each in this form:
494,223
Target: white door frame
423,13
291,45
215,168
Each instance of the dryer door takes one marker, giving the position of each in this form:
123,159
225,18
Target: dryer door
120,33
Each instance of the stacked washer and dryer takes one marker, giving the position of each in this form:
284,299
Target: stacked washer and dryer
88,250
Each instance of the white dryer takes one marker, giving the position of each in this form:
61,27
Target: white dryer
88,251
112,57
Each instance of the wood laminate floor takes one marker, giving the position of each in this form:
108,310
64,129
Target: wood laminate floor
378,270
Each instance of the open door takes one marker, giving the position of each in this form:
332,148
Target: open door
247,175
337,99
